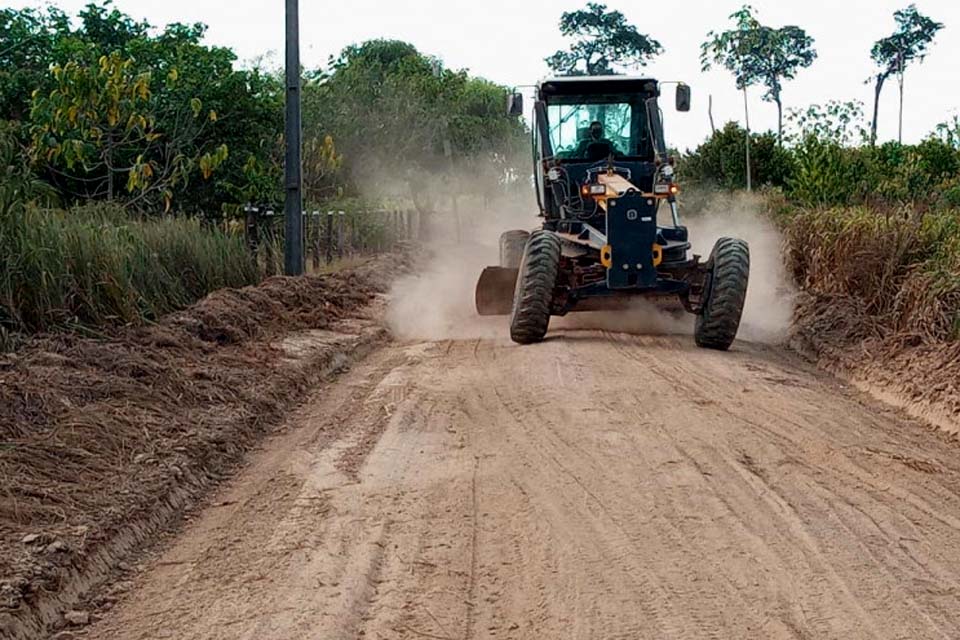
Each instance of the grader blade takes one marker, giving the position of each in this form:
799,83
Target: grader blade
495,289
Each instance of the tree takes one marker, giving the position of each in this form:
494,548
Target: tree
915,32
949,131
18,186
758,54
403,120
100,124
603,40
248,102
321,168
836,121
27,41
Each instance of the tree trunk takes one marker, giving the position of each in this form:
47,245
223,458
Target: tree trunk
876,108
713,128
900,127
108,161
779,119
746,115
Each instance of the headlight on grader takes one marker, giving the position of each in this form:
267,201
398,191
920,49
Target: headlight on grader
666,189
594,190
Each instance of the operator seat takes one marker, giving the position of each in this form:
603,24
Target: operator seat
599,150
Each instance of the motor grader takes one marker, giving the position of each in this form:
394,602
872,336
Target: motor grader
603,180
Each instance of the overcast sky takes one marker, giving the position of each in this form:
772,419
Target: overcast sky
507,40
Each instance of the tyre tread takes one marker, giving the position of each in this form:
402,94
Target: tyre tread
533,297
719,320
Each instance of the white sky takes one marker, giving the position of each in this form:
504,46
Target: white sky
506,41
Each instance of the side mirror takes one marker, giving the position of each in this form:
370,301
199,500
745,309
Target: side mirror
515,104
683,97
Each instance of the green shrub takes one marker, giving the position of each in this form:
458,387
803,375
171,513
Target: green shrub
821,174
818,170
721,160
950,193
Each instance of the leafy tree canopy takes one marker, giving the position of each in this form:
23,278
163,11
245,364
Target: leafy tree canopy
836,121
603,41
758,54
398,115
915,32
177,69
909,43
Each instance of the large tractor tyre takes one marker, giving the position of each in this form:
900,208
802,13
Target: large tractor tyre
533,296
719,319
512,244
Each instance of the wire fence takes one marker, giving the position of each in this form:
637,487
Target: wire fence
330,235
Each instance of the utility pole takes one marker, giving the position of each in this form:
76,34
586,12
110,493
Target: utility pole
900,78
746,116
293,207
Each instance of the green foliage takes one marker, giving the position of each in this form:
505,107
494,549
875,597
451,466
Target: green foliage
818,169
603,40
401,121
951,193
893,54
949,132
116,109
19,188
836,121
240,107
27,39
720,160
915,32
94,266
100,123
822,173
758,54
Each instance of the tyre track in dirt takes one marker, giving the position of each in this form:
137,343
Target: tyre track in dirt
595,486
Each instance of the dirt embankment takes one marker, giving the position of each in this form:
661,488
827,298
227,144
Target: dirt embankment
864,293
105,441
900,368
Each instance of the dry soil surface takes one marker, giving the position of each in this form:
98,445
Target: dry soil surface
595,486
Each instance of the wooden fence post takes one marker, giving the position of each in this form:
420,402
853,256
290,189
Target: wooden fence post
315,235
329,237
353,232
268,245
382,227
252,228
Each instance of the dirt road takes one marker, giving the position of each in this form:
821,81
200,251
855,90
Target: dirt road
595,486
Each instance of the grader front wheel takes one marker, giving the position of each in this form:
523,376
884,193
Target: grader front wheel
719,319
533,297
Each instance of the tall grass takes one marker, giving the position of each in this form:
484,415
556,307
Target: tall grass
95,267
902,265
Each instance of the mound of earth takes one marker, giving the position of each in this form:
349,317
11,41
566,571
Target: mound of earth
107,439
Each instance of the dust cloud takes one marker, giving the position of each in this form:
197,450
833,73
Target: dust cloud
771,296
436,301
